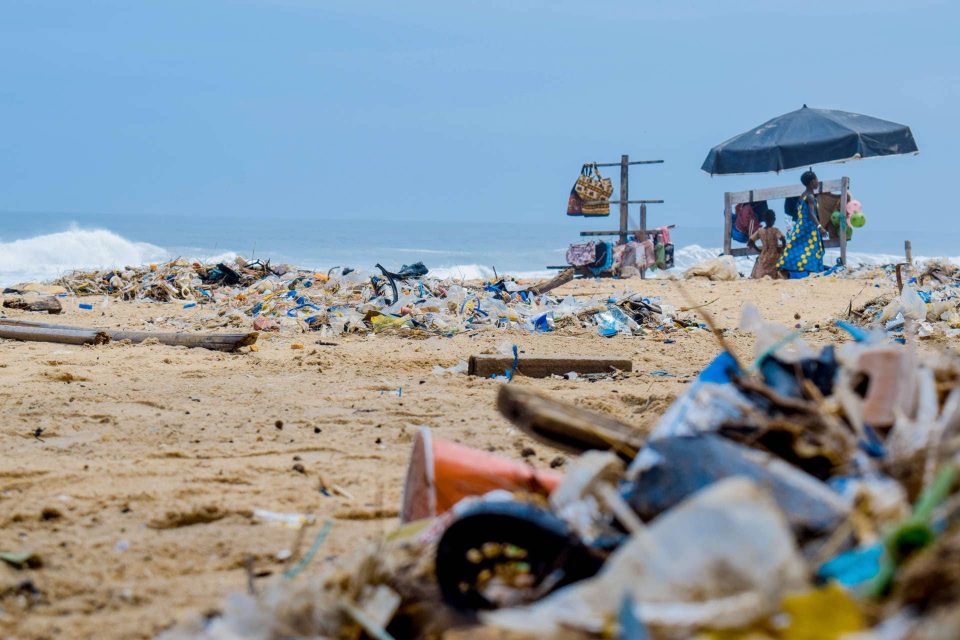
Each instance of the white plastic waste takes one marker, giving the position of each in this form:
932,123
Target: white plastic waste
721,559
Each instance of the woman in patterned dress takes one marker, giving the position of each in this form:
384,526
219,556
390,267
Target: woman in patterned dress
803,253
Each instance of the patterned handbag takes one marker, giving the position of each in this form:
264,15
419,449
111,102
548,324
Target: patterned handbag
594,191
574,203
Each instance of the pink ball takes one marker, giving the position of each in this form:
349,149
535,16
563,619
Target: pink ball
853,207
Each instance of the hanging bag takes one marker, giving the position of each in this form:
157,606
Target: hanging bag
594,191
575,201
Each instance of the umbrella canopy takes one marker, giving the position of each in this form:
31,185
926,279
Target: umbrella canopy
806,137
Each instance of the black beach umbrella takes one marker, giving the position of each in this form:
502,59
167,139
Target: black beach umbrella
806,137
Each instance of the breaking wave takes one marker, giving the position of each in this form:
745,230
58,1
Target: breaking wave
52,255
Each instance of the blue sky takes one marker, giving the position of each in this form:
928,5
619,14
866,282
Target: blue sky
452,110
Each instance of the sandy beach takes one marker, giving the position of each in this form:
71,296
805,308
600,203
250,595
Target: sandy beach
133,471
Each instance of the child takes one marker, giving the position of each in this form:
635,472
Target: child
771,246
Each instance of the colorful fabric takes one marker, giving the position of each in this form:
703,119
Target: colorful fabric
582,254
648,257
804,251
604,258
745,220
664,234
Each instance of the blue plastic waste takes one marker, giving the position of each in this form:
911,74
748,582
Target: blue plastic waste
668,470
853,568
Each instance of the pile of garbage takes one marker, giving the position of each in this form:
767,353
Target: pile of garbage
927,306
805,494
343,300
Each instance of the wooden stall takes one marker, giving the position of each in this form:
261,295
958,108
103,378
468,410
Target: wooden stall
732,198
624,230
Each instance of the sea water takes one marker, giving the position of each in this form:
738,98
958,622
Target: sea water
45,246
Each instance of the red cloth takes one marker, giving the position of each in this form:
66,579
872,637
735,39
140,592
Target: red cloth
745,219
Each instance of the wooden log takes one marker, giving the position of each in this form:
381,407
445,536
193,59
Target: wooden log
214,341
560,279
565,426
46,304
55,335
542,367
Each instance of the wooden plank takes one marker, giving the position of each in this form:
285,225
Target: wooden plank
637,232
561,279
617,164
544,366
727,222
566,426
624,197
743,251
844,188
778,193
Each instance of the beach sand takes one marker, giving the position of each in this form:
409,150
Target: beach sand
138,493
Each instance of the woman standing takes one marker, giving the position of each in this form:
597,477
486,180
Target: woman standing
803,253
771,245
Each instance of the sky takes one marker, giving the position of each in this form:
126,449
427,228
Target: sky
452,110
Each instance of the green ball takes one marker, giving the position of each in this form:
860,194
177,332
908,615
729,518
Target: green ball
835,217
858,219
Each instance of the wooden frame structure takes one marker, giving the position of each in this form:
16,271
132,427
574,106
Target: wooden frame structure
732,198
624,231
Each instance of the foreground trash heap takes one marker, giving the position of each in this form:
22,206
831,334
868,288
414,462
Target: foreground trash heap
802,494
342,300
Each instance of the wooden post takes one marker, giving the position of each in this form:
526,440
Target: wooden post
727,223
844,187
908,252
624,196
643,235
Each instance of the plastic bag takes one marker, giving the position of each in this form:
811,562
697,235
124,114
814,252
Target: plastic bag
722,268
684,579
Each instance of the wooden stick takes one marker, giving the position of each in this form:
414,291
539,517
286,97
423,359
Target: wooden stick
908,251
624,189
55,335
545,366
560,279
214,341
565,426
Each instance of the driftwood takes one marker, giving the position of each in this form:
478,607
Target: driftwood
489,365
214,341
565,426
33,303
560,279
59,335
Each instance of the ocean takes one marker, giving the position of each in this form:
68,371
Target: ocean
45,246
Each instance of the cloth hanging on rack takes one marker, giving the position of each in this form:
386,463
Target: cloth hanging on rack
648,258
664,233
604,258
582,254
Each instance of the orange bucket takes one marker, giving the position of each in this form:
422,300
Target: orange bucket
441,473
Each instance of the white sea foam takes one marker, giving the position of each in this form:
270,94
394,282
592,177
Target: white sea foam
49,256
